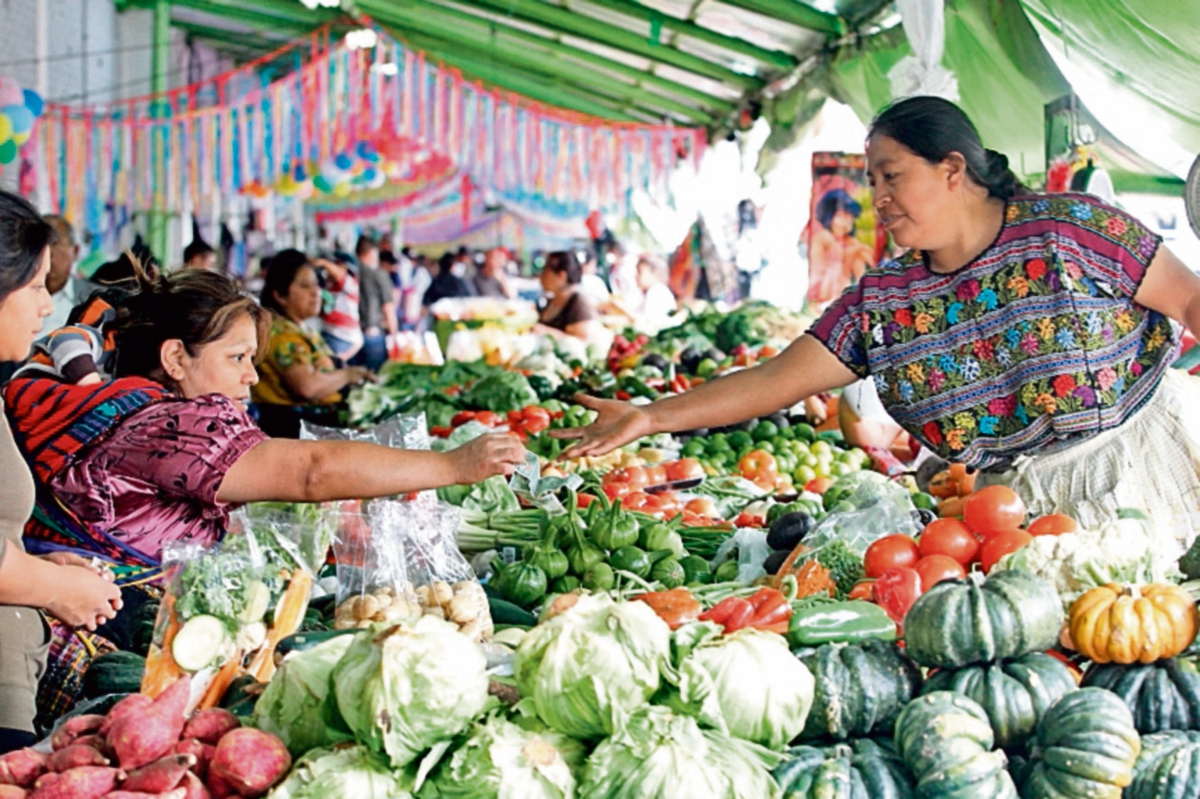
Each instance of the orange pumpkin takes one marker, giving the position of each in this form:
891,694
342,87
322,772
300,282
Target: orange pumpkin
1115,624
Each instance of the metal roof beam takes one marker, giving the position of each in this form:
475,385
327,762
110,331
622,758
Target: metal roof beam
775,58
431,18
795,12
568,22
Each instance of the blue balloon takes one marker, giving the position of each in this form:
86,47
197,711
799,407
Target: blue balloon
19,115
369,174
299,174
33,101
342,161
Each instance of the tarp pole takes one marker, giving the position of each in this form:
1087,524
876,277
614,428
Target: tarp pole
161,56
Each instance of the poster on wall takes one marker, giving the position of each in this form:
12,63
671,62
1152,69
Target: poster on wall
843,234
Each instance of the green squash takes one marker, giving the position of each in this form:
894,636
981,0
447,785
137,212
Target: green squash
114,673
1086,747
522,583
960,622
1164,695
1168,767
946,741
859,690
862,769
1015,694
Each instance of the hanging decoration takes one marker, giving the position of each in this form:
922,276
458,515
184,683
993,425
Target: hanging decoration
344,123
19,109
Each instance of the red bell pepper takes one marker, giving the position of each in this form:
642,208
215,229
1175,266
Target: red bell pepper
772,611
895,591
676,607
462,417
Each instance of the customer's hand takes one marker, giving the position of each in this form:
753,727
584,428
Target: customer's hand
84,599
71,559
617,423
486,456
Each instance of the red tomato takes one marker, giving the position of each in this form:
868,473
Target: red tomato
861,589
757,465
819,486
997,545
537,418
488,419
669,500
949,537
686,469
584,501
895,591
1053,524
615,491
993,509
633,476
636,500
890,552
935,568
462,417
702,506
656,475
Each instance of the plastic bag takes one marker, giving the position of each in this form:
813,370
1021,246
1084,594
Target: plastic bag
226,607
879,508
412,567
750,548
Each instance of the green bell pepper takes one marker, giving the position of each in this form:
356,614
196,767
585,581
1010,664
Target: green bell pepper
849,622
599,577
523,583
617,529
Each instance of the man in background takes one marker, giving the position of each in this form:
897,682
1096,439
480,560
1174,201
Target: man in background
198,255
376,305
492,278
63,254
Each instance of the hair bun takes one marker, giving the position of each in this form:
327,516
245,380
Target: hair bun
997,162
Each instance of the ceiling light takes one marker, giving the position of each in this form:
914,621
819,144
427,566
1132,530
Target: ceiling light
362,39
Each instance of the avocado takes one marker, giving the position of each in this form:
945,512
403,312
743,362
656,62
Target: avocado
655,360
774,561
690,358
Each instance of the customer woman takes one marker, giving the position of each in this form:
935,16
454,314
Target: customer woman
63,584
297,375
164,451
1026,335
568,312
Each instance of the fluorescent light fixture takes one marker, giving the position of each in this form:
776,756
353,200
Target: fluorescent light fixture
389,69
362,39
313,5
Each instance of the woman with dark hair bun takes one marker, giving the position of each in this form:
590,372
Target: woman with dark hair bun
164,451
568,312
298,378
1029,336
63,584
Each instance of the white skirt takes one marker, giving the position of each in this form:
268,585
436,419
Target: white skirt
1151,463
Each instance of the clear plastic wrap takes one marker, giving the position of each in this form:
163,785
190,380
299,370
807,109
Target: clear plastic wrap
875,508
226,607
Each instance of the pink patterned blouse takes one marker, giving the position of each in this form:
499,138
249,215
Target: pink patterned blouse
154,479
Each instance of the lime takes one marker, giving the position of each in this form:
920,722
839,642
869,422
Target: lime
821,448
805,432
693,448
718,441
804,475
706,367
740,439
720,460
765,431
766,446
841,469
810,460
787,432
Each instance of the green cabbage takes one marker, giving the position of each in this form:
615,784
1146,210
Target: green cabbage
298,704
405,688
661,755
597,659
748,685
507,761
349,772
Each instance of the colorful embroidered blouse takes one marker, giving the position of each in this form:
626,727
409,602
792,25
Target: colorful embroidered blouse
1034,345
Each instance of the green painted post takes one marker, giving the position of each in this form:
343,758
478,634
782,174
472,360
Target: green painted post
160,60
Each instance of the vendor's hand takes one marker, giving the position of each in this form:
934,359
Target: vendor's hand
618,423
357,375
71,559
545,330
84,598
486,456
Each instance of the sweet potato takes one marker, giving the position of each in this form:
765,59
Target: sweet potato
96,741
65,735
74,756
202,752
194,787
130,704
85,782
22,767
208,726
14,792
220,789
179,793
141,738
162,775
250,760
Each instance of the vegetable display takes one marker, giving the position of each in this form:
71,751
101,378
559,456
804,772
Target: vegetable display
860,769
1162,696
946,741
1166,766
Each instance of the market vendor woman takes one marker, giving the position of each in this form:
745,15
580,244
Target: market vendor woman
1029,336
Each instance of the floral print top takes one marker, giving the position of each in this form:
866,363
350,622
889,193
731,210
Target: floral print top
1034,345
290,345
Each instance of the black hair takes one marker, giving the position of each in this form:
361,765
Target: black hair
446,262
24,237
365,245
388,257
279,272
934,128
833,201
197,249
565,263
194,306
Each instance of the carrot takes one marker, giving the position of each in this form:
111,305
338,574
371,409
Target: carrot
221,682
288,618
786,568
161,669
812,578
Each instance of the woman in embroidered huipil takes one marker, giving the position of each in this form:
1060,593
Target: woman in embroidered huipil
1028,336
